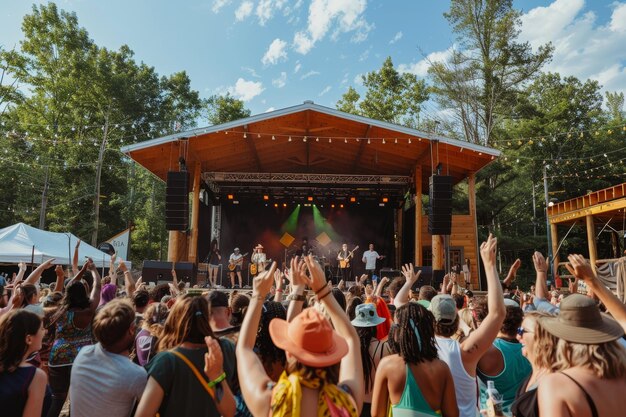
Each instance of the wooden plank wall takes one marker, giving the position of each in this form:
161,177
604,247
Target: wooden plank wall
463,236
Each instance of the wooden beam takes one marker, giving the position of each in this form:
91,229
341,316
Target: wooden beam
419,261
591,241
252,147
554,235
589,211
471,192
195,211
359,153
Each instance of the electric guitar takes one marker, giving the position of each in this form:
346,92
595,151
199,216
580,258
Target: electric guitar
232,265
345,262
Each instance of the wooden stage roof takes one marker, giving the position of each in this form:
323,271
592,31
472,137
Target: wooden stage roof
607,206
312,139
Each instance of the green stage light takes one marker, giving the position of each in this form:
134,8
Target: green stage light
291,224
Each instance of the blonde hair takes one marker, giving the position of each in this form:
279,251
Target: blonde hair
606,360
544,355
188,321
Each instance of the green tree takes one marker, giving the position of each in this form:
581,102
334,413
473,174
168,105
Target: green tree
480,82
615,105
225,108
389,96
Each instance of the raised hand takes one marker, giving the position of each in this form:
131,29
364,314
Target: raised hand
213,359
409,273
262,283
278,279
89,265
296,274
317,281
122,265
58,270
47,264
77,244
488,251
540,262
22,266
580,268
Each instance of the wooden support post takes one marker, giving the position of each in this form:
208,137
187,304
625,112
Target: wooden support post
177,246
555,246
418,216
195,213
591,241
471,193
438,250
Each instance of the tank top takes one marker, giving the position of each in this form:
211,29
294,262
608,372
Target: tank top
516,370
69,340
14,391
412,403
465,386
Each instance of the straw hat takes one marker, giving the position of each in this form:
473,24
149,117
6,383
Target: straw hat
309,338
580,321
366,316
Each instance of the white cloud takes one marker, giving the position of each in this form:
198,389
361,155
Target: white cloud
266,8
270,109
297,67
244,10
281,81
275,52
219,4
309,74
358,79
340,16
246,90
420,68
583,48
325,90
396,38
365,54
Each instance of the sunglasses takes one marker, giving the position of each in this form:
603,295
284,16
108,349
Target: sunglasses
521,331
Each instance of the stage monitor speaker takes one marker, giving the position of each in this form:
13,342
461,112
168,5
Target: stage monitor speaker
177,201
159,271
428,277
389,273
440,213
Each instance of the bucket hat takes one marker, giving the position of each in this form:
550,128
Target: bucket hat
310,338
580,321
366,316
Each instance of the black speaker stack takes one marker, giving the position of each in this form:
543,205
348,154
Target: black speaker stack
440,213
155,271
177,201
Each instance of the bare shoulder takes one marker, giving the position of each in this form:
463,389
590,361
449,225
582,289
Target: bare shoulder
40,378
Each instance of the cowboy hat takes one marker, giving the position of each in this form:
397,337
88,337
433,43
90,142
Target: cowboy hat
310,338
580,321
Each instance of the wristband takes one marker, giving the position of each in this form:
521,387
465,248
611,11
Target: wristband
323,296
321,289
296,297
279,290
217,380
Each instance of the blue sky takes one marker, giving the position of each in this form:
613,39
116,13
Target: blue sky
278,53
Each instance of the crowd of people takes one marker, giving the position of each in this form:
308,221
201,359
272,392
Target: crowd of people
298,346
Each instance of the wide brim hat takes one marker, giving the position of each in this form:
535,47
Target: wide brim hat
259,246
310,338
366,316
580,321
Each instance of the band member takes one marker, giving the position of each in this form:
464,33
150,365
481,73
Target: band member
344,257
236,260
369,259
305,249
258,259
213,260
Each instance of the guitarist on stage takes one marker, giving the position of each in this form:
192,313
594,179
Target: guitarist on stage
369,259
344,257
234,265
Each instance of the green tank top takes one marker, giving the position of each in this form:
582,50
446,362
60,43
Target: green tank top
412,403
516,370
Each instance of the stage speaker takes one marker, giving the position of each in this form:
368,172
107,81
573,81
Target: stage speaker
429,277
440,213
155,271
177,201
389,273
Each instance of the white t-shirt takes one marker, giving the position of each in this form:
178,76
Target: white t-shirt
105,384
370,257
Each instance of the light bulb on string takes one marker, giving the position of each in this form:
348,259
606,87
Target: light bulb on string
330,140
304,139
273,137
368,141
289,139
409,141
317,139
395,140
245,136
345,140
258,135
384,141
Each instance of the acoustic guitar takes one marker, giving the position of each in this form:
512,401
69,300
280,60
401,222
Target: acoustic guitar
345,262
232,265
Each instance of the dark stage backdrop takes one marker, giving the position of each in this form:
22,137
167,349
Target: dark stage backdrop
246,225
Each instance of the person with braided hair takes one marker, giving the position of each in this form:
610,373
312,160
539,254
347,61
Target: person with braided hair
272,357
415,381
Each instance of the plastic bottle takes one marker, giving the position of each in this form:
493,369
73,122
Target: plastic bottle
494,401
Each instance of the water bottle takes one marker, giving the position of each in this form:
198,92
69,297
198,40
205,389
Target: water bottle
494,401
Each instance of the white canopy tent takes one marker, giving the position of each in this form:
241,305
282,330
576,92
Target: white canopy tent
23,243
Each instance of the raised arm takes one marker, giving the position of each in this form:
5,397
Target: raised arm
512,272
298,285
97,285
75,259
378,291
351,370
59,286
129,282
278,281
402,297
214,370
541,287
252,376
36,274
581,269
20,273
479,341
113,269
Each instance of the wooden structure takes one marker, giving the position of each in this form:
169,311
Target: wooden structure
606,207
308,145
